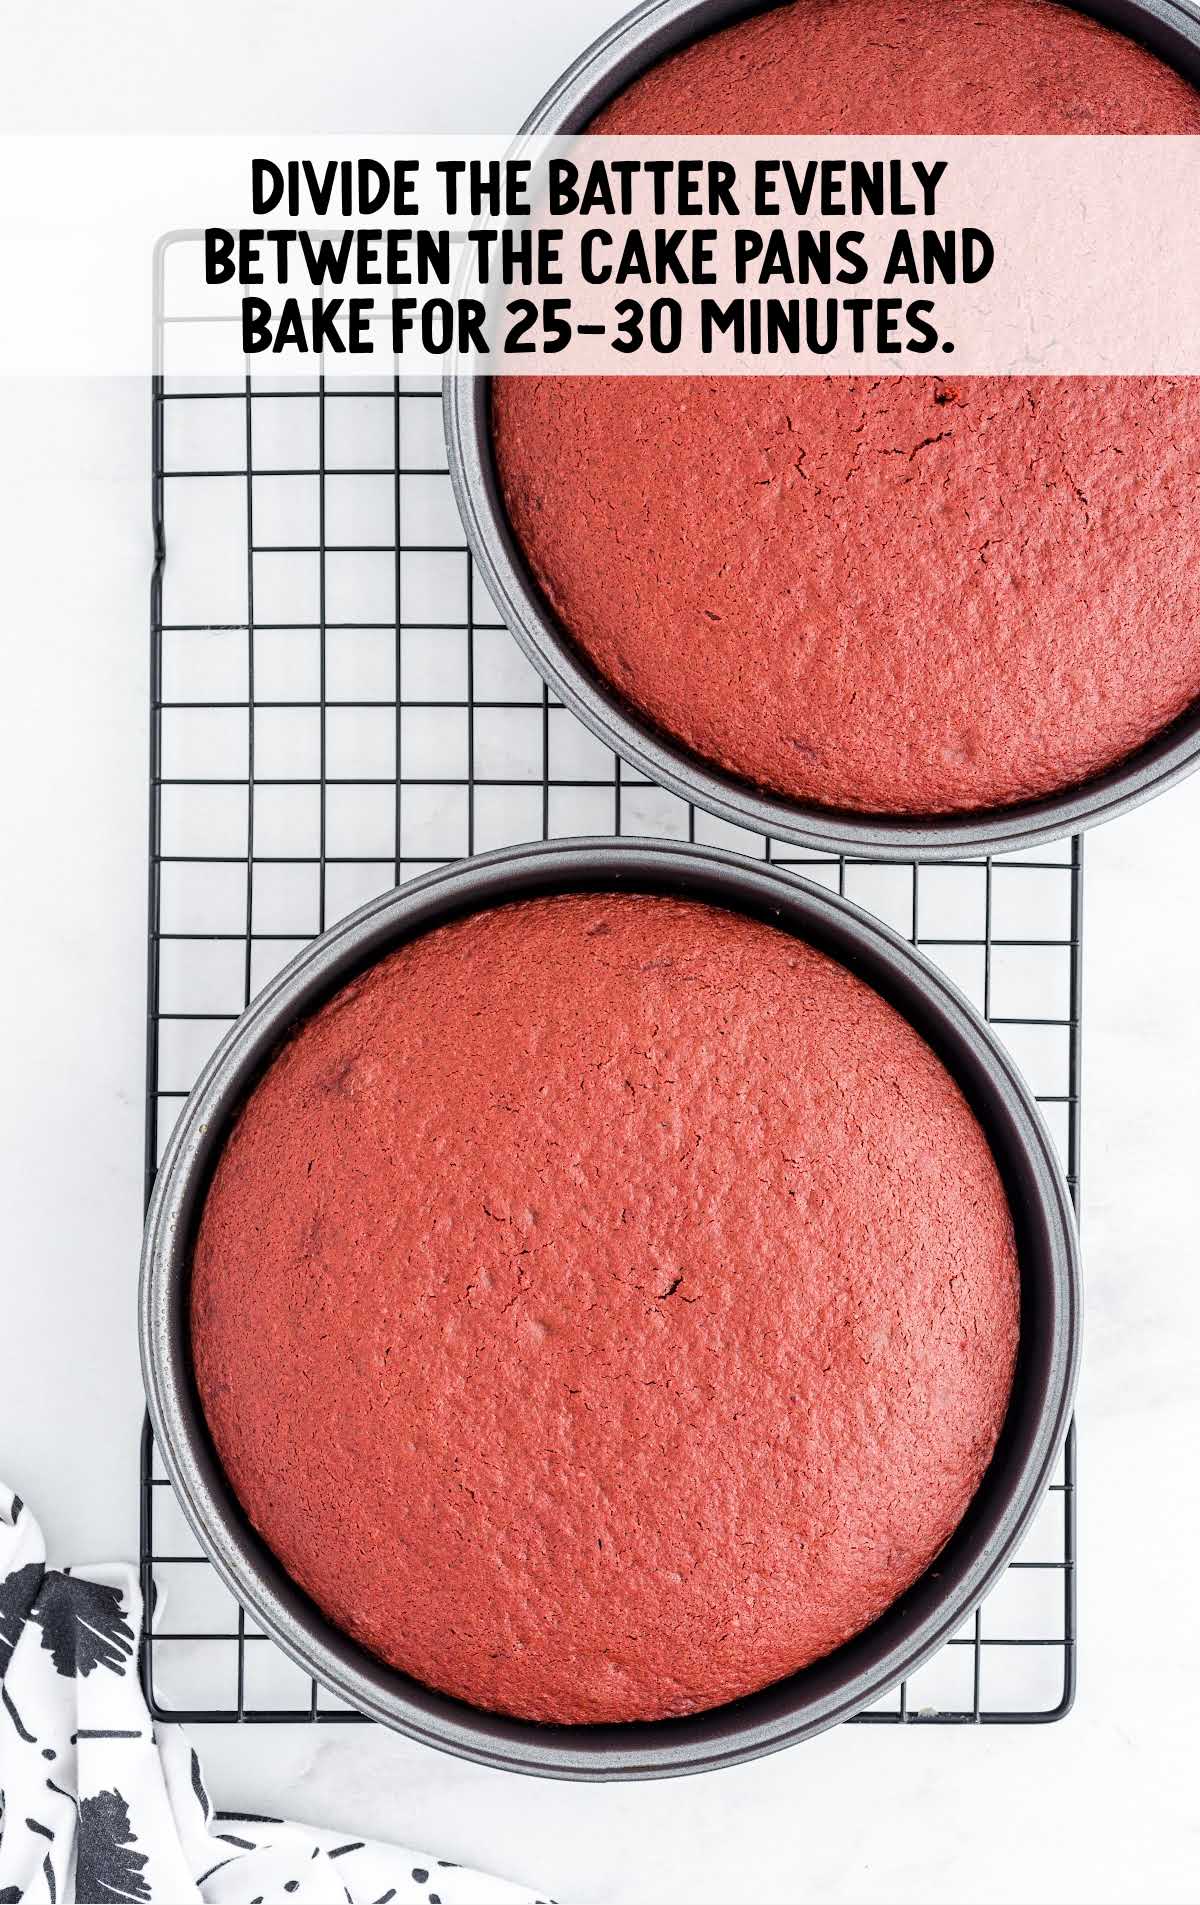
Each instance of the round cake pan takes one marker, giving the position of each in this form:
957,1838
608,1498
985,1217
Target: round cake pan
605,69
831,1689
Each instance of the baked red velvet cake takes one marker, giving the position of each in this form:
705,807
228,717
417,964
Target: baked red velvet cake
907,595
605,1306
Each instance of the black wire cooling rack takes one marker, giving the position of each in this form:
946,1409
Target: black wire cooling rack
335,708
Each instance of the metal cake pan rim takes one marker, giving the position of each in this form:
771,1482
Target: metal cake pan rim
727,1735
601,70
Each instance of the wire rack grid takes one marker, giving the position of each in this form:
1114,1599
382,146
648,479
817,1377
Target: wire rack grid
337,707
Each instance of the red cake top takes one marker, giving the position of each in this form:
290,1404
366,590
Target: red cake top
903,595
605,1306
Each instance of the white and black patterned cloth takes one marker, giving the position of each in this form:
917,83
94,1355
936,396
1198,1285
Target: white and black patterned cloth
97,1803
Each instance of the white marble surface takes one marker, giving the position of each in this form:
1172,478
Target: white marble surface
1103,1806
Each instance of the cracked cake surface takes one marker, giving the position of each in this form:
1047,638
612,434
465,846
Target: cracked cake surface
605,1306
916,594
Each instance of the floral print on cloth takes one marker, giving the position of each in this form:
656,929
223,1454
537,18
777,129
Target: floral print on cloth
97,1803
